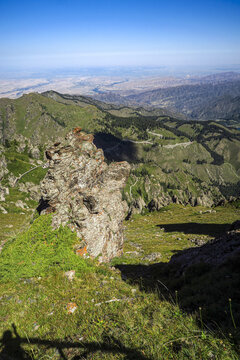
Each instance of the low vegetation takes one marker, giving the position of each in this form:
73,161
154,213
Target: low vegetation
107,313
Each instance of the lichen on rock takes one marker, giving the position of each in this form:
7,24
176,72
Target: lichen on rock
84,192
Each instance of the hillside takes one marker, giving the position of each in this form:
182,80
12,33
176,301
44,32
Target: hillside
226,107
171,160
210,98
189,98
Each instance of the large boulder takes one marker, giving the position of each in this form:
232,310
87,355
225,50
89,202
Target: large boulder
84,192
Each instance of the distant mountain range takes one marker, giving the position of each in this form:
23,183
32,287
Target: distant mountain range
209,98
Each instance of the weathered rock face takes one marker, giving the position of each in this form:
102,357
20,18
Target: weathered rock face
84,192
3,165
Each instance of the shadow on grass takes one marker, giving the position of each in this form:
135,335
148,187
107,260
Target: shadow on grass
196,228
200,285
11,347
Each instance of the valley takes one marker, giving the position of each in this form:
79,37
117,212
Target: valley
182,195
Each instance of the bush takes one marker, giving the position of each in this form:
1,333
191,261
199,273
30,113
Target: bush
39,251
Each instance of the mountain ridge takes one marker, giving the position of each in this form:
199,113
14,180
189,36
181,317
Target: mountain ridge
171,160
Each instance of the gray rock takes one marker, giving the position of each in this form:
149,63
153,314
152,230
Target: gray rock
31,188
12,180
83,192
3,166
21,204
153,256
34,152
3,192
70,275
3,210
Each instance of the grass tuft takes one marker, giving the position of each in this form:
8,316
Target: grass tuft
39,251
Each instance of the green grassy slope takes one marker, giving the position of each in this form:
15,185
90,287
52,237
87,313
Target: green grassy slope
116,316
42,119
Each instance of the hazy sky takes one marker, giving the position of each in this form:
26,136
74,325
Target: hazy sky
57,33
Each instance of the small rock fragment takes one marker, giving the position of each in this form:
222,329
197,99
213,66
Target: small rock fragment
70,275
71,307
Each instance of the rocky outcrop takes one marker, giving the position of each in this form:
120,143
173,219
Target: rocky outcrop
83,192
3,166
30,188
3,192
3,171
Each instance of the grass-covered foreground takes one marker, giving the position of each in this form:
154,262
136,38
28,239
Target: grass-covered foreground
105,314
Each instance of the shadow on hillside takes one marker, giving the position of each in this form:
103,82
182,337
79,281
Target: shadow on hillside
191,287
11,347
217,158
228,190
116,149
196,228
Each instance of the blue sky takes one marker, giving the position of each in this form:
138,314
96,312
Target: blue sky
65,33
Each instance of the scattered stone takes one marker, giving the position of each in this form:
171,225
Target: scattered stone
207,211
138,246
113,300
199,242
12,180
133,253
36,326
3,192
71,307
70,275
153,256
29,281
83,192
21,204
3,210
